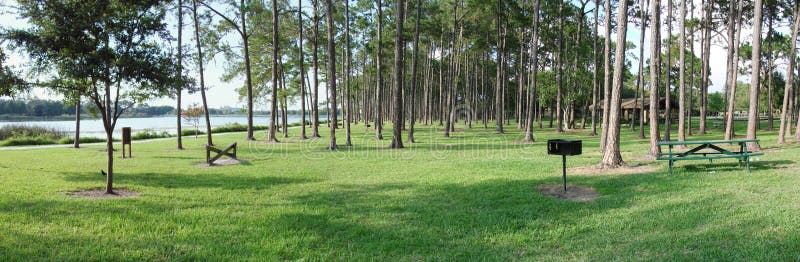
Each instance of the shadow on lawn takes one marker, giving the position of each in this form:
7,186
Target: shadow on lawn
199,180
723,166
508,219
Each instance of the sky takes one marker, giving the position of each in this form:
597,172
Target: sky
223,94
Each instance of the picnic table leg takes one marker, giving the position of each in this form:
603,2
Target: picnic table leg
670,166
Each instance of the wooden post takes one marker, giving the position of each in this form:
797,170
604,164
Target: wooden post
126,140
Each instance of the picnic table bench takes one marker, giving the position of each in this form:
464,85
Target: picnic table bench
709,150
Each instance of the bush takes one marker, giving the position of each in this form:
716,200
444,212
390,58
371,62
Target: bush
29,140
149,134
192,132
235,127
22,131
83,140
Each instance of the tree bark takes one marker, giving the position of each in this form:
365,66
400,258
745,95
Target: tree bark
788,88
752,121
331,84
301,65
315,65
611,156
414,69
274,100
202,78
682,75
595,73
733,70
379,86
655,74
498,99
705,64
348,57
606,76
179,90
397,97
534,70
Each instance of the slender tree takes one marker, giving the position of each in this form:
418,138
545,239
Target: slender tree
414,73
348,57
200,57
241,29
752,120
682,74
789,87
178,91
379,80
274,100
534,70
302,73
331,84
655,73
397,92
611,155
606,76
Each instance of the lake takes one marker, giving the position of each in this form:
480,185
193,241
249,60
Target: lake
94,127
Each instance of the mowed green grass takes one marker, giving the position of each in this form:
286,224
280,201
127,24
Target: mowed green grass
469,197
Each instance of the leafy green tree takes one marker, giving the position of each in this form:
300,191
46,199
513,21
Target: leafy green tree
113,44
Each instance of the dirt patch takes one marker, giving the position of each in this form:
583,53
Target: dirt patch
593,170
223,162
101,193
573,193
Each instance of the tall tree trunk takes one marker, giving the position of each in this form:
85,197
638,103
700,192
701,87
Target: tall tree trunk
414,69
611,156
301,65
331,83
498,99
640,77
560,68
534,70
606,76
348,57
752,120
315,65
274,100
668,76
595,73
200,71
77,140
705,64
770,62
682,74
179,90
248,75
733,70
397,97
788,88
379,86
655,74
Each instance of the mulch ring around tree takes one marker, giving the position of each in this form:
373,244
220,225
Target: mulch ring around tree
223,162
101,193
574,193
595,170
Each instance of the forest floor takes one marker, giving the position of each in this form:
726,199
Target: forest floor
473,196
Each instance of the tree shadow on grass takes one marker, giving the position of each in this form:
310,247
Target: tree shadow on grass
636,217
728,166
199,180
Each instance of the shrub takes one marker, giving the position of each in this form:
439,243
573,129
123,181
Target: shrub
28,140
83,140
149,134
192,132
21,131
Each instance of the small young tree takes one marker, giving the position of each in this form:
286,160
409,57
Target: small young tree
111,43
191,116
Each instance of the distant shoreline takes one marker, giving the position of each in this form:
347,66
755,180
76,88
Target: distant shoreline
14,118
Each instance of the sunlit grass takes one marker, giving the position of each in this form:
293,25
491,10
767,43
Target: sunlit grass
471,196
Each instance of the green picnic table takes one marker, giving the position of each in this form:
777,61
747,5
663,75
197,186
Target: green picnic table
710,150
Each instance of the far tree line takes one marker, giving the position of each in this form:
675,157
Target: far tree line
496,64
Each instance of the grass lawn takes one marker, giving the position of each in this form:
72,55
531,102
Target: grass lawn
469,197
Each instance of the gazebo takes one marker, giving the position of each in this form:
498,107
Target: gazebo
632,105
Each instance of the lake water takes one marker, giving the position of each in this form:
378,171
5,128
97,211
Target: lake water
94,127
